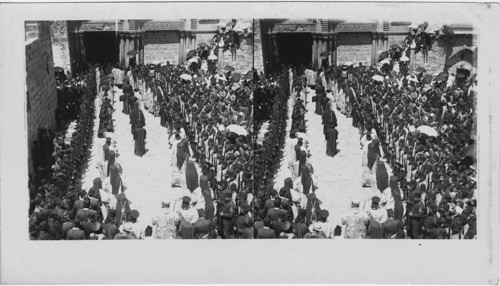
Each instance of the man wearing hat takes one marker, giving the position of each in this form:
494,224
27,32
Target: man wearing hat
375,212
316,233
127,232
201,226
136,227
391,226
227,212
266,232
417,215
75,233
326,226
355,222
299,226
187,212
109,228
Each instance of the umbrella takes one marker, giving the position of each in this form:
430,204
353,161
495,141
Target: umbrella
230,24
132,53
420,70
324,54
404,59
427,130
427,79
236,77
58,69
240,130
229,68
378,77
212,57
463,65
414,26
222,24
185,76
191,54
348,63
194,59
395,47
383,55
248,76
203,45
386,61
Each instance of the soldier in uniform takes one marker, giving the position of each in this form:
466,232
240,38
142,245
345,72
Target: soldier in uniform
417,214
227,213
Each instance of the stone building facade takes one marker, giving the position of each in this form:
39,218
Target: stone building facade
60,44
153,42
41,94
338,42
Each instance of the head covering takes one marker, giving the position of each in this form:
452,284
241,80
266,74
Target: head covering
382,176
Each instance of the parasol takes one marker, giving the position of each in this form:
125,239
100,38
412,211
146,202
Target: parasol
58,69
395,47
427,130
378,77
202,45
240,130
248,76
222,24
420,70
463,65
324,54
131,53
194,59
191,54
229,68
236,77
383,55
404,59
386,61
413,26
348,63
185,76
427,79
212,57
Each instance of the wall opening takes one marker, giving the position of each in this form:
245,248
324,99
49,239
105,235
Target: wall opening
295,48
101,47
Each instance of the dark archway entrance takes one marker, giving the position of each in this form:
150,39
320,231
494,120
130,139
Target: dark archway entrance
101,47
295,48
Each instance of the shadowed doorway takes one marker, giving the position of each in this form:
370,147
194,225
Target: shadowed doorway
295,48
101,47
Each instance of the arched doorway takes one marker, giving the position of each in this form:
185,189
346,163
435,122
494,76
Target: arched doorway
101,47
295,48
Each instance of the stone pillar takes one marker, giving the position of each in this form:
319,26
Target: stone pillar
334,50
141,48
374,49
182,46
315,51
386,43
122,50
276,57
127,49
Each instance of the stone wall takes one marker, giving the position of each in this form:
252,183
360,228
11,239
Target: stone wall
161,46
60,45
41,85
440,54
258,56
356,47
244,57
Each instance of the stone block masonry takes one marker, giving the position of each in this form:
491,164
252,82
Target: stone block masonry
60,45
354,48
161,46
40,85
258,57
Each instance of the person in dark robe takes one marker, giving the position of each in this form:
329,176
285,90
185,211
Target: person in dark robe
312,208
302,160
355,116
163,114
331,141
191,176
326,119
319,98
140,140
105,148
94,191
299,226
396,194
382,176
122,209
297,148
111,160
181,155
306,180
125,99
115,180
206,192
136,118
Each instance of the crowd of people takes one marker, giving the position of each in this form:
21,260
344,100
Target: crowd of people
423,128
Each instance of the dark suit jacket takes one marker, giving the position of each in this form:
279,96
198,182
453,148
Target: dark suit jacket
300,229
82,215
266,233
110,230
76,234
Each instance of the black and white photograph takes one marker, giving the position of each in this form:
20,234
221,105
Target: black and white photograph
169,123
